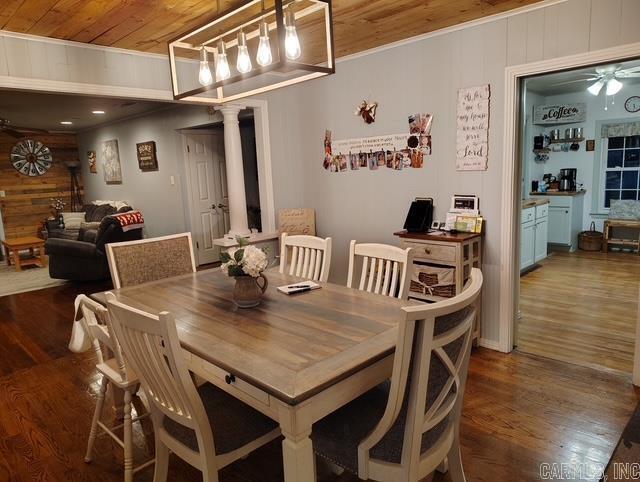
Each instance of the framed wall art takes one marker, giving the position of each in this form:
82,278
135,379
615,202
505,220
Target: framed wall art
91,157
147,159
111,162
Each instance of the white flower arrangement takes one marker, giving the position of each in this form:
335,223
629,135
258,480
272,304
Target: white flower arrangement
245,260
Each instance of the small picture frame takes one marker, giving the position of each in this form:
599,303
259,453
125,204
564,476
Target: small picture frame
435,225
591,145
146,152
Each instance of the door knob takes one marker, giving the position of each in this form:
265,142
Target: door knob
213,206
221,206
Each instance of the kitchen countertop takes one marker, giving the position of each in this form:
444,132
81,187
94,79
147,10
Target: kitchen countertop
529,203
558,193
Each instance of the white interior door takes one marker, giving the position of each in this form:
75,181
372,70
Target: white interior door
208,192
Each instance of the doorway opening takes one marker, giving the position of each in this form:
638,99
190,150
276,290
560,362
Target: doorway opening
208,196
579,155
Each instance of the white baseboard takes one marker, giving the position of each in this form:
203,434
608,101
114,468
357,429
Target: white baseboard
490,344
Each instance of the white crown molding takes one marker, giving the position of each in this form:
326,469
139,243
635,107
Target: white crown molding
453,28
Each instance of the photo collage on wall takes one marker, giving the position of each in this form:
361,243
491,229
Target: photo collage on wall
394,151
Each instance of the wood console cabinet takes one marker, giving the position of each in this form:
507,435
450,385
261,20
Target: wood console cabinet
461,251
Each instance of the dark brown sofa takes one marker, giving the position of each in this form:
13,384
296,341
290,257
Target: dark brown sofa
86,259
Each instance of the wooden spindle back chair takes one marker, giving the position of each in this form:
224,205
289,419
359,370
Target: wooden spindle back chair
386,269
310,256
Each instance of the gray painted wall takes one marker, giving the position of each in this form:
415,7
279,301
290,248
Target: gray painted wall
164,205
423,76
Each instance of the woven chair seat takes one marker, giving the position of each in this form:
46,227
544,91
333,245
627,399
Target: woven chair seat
234,423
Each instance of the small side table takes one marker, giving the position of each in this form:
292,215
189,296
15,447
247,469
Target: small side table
629,224
460,251
14,246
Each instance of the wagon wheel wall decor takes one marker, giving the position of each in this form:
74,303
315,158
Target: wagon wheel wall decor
31,158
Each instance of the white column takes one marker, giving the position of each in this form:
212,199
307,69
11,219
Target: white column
235,171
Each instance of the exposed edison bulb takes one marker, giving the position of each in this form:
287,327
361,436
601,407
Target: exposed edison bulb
291,41
264,57
243,63
223,71
204,75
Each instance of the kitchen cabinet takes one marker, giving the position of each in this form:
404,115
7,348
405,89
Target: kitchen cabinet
534,233
565,217
527,244
541,239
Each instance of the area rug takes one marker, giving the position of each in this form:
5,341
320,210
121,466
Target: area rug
29,279
624,461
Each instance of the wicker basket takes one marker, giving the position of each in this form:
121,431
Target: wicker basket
590,240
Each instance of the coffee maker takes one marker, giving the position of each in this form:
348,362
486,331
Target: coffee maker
568,179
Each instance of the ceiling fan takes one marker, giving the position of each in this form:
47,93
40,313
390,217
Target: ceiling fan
607,77
17,131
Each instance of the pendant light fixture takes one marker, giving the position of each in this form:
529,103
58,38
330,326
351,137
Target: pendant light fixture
264,56
223,72
204,74
252,33
243,64
291,40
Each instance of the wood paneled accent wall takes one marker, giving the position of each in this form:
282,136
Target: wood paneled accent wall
27,199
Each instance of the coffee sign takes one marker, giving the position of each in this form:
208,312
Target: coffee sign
560,113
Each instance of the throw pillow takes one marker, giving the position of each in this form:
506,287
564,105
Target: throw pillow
73,220
90,225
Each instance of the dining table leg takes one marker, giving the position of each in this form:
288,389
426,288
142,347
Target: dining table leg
298,457
297,449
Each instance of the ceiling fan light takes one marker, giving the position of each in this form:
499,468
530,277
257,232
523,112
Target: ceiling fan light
595,88
613,86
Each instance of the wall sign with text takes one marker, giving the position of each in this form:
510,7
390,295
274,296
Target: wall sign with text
472,121
559,113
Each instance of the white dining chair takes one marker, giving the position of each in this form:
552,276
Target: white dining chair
386,270
204,426
310,256
405,429
140,261
97,326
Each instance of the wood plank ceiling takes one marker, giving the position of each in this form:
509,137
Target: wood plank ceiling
147,25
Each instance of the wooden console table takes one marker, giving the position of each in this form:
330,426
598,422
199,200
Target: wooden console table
461,251
609,224
14,246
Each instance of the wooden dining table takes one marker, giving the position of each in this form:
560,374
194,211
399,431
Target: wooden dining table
295,358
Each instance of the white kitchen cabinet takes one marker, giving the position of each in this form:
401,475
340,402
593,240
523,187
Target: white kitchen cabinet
527,244
527,237
565,218
541,236
533,234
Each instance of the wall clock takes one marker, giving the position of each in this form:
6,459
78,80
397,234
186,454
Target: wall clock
31,158
632,104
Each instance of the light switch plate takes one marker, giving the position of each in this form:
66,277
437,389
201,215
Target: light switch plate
2,194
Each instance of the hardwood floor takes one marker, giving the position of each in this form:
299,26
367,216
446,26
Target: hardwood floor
520,410
581,308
